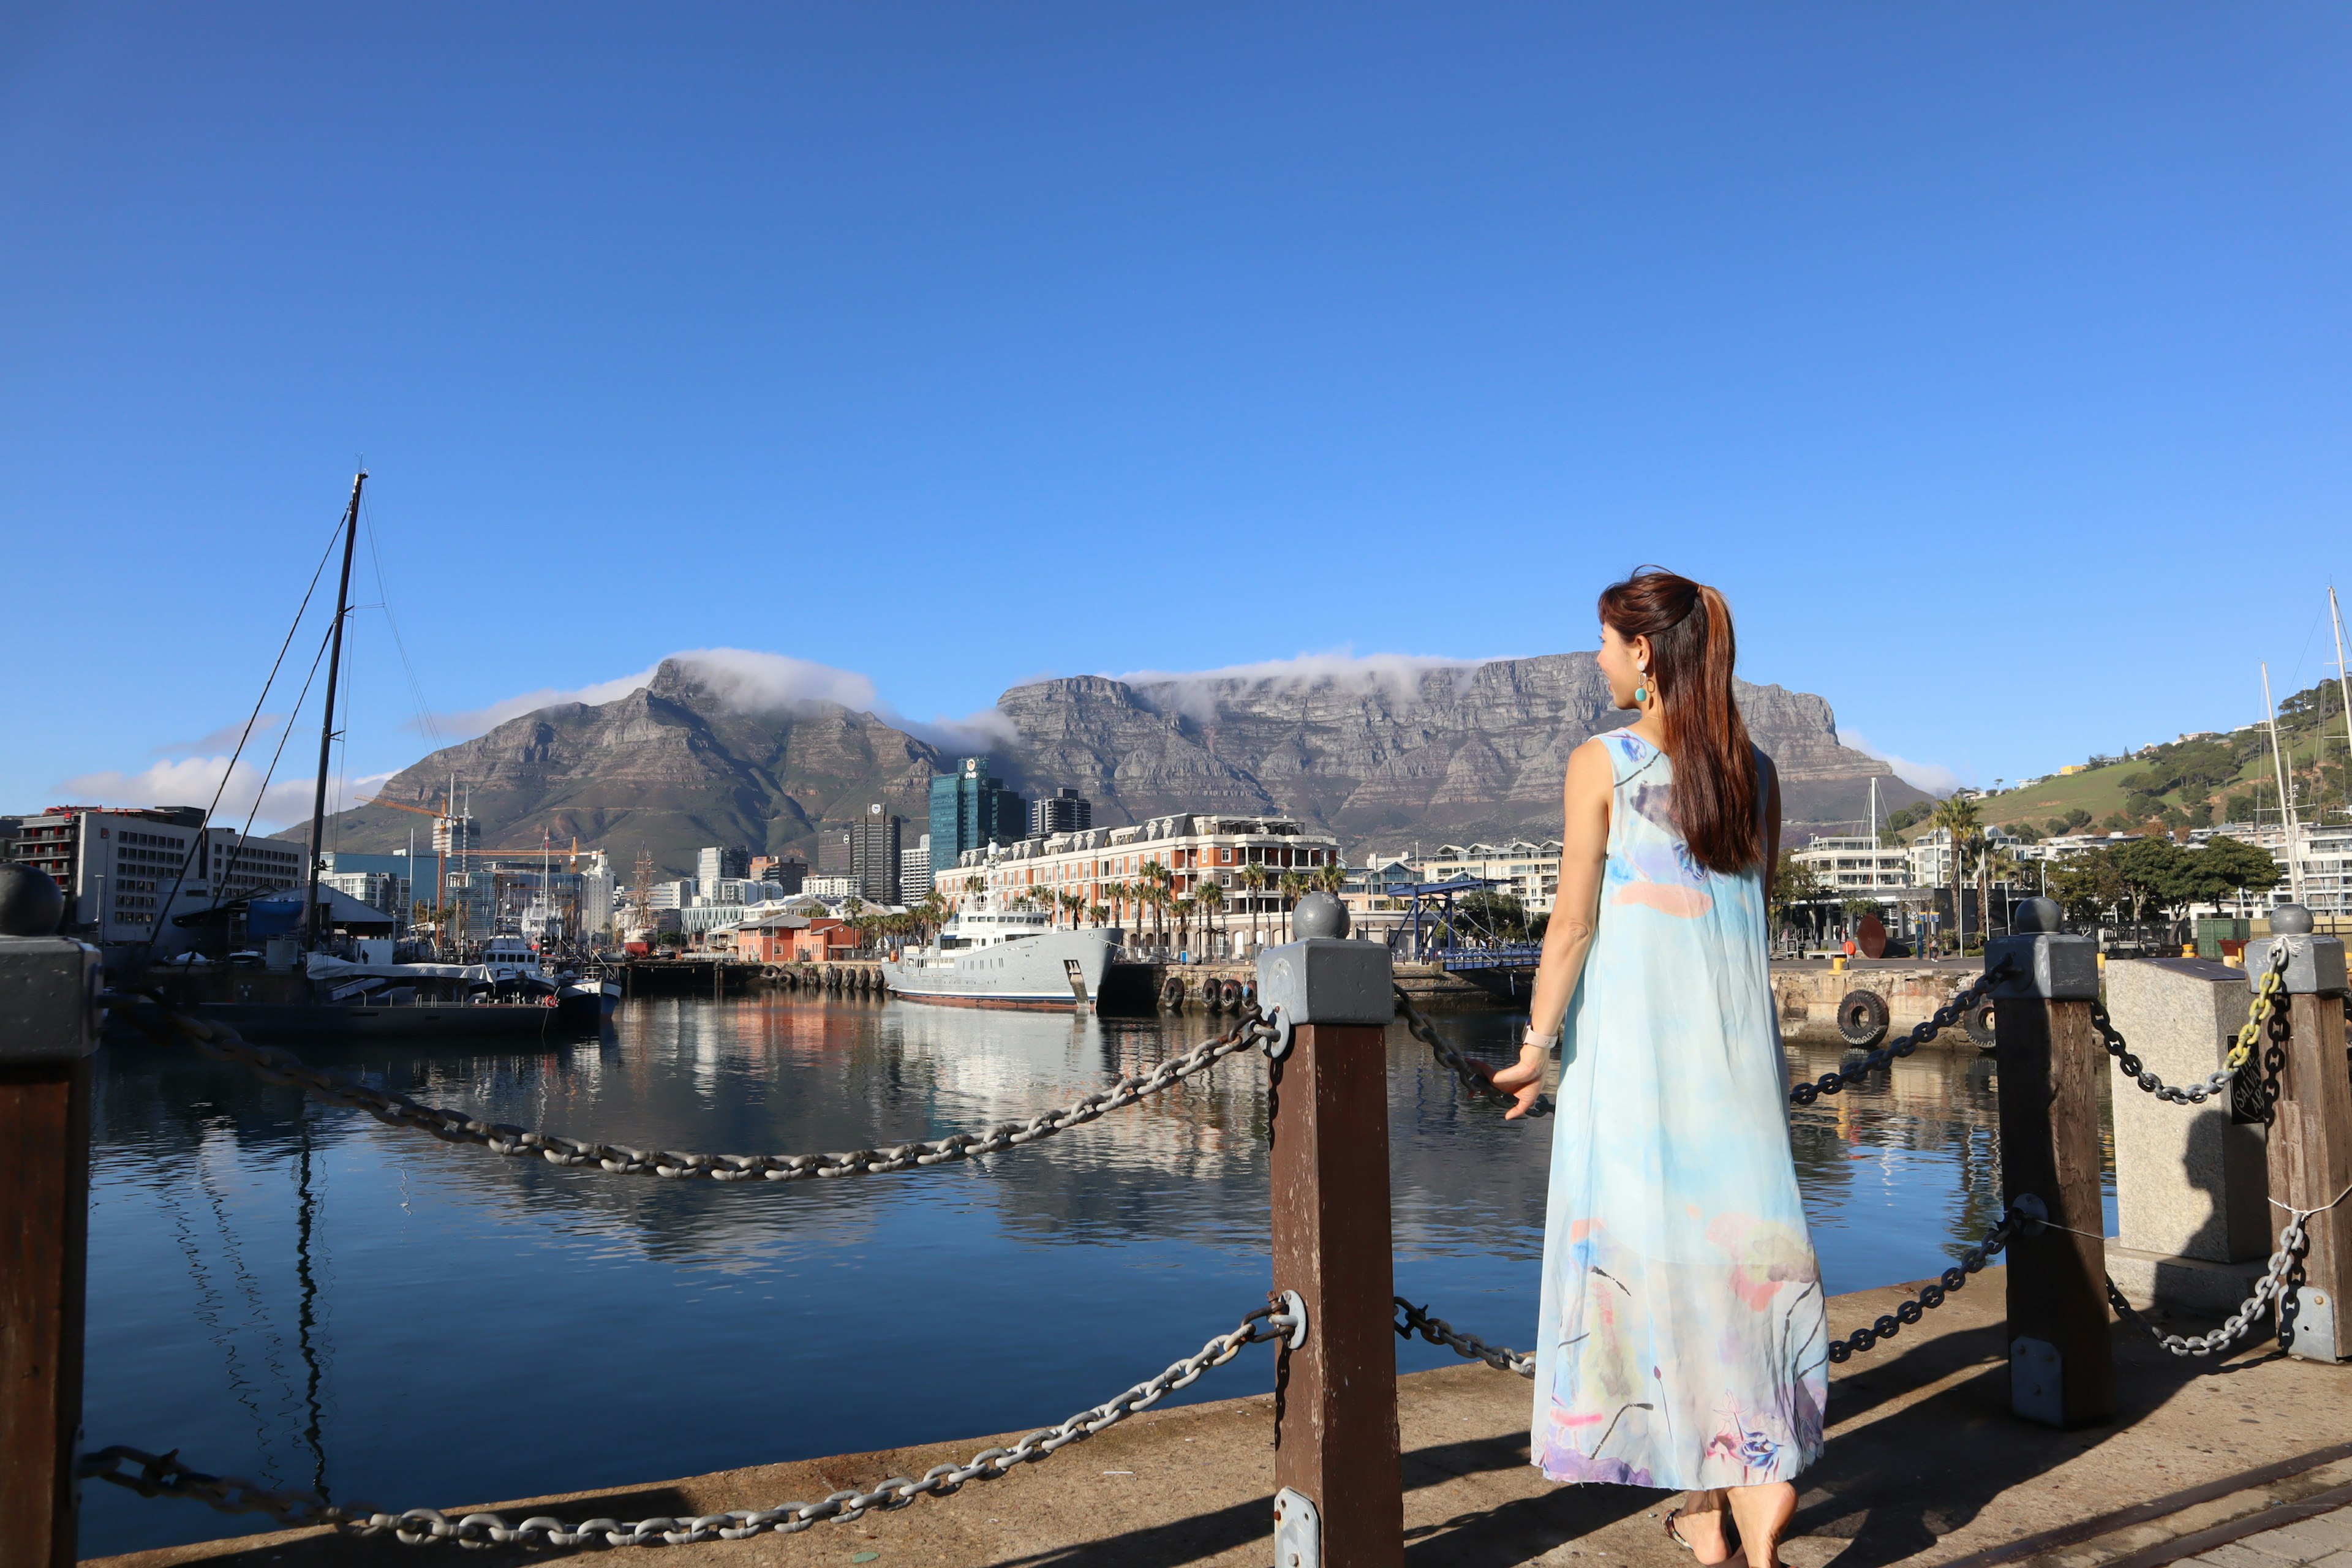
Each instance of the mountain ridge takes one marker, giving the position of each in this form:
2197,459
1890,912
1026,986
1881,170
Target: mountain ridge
1448,753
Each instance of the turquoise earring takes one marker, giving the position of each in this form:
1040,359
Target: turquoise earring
1642,692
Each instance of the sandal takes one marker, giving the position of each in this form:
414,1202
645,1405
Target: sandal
1730,1538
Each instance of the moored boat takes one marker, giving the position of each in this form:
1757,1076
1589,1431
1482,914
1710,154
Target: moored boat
990,957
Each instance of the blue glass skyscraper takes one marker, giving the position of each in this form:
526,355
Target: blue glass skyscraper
969,810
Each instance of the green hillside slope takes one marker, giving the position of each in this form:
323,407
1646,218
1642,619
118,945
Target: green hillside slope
2198,781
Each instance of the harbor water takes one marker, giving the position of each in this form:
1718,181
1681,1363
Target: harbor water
298,1294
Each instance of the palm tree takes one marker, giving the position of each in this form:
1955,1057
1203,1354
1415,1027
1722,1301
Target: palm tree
1252,879
1212,899
1098,914
1074,904
1957,815
1293,887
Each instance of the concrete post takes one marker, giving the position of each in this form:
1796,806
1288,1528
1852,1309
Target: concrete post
48,1028
1337,1473
2311,1134
2050,1061
2190,1183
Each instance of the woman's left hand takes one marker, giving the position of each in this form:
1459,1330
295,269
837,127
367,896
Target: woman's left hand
1522,1079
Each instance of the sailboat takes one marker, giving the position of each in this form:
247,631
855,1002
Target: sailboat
365,995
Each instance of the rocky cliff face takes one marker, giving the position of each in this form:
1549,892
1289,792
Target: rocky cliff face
1436,754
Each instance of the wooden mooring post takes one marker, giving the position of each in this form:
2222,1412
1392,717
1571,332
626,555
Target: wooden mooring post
2061,1357
2310,1143
48,1028
1339,1489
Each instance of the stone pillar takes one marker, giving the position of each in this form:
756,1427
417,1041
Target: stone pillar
2189,1179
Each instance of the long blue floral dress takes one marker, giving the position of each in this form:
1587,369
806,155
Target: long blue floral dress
1683,1341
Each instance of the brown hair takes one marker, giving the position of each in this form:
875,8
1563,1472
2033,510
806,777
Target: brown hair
1691,652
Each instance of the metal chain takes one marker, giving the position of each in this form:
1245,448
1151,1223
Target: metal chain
1472,1075
1949,1014
1972,1261
1438,1332
2270,1289
2258,1018
222,1043
165,1476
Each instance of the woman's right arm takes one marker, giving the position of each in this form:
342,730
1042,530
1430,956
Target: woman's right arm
1575,914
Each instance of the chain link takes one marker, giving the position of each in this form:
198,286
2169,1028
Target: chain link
2269,1289
273,1066
1412,1319
2259,1014
1972,1261
1473,1076
1949,1014
165,1476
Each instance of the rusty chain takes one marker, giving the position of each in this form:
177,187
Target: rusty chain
1473,1076
273,1066
1412,1319
1284,1318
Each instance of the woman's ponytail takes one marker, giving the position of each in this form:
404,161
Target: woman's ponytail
1715,792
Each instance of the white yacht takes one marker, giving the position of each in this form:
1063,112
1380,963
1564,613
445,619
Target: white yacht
988,956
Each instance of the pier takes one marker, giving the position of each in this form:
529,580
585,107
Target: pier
1925,1466
2055,1395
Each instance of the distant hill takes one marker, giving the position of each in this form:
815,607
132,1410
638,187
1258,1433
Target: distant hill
2196,781
1438,753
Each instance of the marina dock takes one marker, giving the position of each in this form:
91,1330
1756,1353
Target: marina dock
1925,1466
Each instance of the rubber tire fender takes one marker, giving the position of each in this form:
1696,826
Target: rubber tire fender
1978,1021
1861,1018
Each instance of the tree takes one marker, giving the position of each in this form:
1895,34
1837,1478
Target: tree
2152,875
2087,884
1293,887
1793,883
1211,896
1956,815
2227,865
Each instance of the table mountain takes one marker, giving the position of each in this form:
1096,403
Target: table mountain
1432,753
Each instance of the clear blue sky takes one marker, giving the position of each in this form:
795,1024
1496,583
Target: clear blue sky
1993,358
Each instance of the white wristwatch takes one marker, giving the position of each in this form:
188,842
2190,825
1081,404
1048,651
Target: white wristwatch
1541,1042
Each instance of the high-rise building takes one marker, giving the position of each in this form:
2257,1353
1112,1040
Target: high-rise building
874,854
971,811
719,861
785,871
1064,811
915,872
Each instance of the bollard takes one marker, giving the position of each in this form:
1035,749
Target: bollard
2049,1062
2310,1154
48,1028
1339,1481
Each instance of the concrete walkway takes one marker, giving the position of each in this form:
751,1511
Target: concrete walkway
2245,1466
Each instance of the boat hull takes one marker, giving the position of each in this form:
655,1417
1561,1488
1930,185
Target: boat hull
1052,968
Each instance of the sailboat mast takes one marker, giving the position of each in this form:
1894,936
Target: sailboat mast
2286,809
2343,690
327,726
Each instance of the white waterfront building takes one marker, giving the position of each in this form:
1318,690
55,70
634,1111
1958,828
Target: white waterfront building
1857,864
1196,848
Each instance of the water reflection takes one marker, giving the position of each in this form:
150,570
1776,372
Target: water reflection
301,1294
